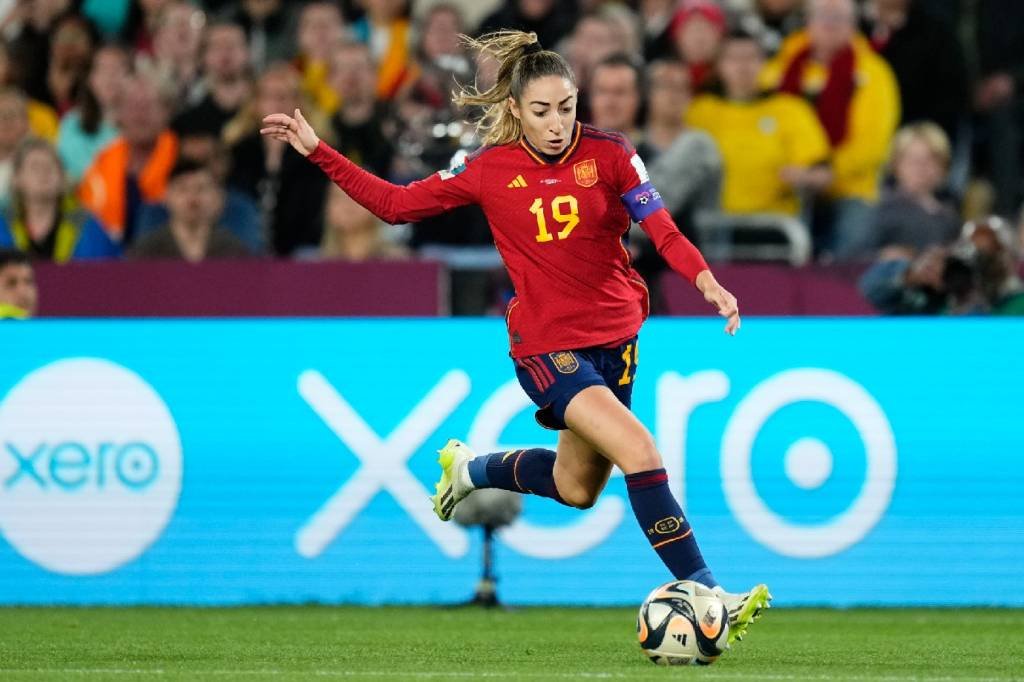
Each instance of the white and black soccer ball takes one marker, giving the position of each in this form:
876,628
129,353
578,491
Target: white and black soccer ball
683,623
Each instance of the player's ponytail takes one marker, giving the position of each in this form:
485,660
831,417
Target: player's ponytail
520,60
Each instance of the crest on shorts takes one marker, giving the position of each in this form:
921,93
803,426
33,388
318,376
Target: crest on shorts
565,362
586,173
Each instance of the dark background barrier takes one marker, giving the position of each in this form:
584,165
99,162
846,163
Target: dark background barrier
243,289
384,288
776,290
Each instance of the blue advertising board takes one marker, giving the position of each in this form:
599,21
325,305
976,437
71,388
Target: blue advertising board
842,462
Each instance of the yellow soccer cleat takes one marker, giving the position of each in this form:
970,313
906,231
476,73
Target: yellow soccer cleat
744,608
453,486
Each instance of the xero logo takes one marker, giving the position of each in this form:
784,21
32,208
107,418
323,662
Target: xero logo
74,466
90,466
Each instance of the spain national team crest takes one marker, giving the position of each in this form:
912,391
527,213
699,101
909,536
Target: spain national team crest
565,362
586,173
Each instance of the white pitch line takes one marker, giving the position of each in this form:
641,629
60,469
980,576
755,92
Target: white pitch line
475,675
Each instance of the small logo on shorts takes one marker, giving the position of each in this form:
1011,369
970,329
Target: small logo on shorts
565,362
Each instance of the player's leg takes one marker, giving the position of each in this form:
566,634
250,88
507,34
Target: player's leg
598,417
580,471
574,475
550,380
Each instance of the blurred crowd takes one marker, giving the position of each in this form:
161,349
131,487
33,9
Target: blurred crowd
887,132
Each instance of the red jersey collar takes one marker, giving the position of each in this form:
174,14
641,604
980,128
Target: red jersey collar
543,158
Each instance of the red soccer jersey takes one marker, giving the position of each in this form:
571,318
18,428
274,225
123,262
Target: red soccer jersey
559,226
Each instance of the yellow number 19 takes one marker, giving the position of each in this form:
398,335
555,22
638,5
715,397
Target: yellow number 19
631,356
569,219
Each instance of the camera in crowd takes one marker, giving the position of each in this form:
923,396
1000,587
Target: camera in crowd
976,274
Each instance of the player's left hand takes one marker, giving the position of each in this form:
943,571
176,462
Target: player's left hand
719,296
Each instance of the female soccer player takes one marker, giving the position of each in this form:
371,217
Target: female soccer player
559,197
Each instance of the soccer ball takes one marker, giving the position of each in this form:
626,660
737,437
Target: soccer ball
683,623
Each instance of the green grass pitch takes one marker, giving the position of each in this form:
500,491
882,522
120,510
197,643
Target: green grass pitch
303,643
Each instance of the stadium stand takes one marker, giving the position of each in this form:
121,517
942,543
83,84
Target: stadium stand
123,89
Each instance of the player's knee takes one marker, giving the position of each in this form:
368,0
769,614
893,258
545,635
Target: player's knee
645,457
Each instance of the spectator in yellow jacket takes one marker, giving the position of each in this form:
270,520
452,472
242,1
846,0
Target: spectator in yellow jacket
772,145
857,101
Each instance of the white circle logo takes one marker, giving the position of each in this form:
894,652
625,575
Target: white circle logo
808,463
90,466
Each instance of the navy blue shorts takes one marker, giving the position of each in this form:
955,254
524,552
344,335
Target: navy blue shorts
553,379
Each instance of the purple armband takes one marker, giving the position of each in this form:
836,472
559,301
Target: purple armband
642,201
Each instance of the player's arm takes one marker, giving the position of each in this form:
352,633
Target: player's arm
683,257
389,202
645,206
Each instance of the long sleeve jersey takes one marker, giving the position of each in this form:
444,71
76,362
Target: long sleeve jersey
560,225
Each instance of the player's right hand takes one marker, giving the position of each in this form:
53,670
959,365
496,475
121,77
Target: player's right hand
293,130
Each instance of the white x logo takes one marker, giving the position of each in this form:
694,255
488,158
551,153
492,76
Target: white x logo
384,463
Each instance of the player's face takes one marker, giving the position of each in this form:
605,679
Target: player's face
547,110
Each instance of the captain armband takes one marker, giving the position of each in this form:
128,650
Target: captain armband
642,201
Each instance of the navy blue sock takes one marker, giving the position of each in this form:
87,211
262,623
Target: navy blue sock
521,471
665,526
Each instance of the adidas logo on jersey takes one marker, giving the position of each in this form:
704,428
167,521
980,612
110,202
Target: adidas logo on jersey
518,182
